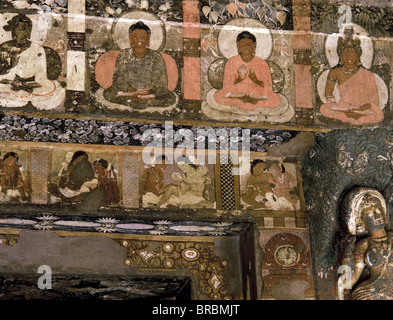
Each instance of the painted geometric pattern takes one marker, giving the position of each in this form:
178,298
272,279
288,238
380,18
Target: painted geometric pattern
227,183
198,257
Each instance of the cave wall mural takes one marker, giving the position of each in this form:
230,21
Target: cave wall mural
197,135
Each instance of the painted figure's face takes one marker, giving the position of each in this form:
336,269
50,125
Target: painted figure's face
21,32
246,49
350,58
99,168
274,169
9,162
139,39
259,168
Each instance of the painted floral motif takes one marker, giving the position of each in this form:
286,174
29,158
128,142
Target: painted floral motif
274,14
222,228
165,9
56,6
107,225
46,222
160,227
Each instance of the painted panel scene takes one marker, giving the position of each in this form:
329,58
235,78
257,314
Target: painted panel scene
88,179
269,185
183,183
14,175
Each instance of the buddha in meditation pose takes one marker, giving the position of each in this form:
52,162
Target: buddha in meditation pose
359,99
140,77
247,79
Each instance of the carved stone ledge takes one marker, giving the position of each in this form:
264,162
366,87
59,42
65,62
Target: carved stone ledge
205,267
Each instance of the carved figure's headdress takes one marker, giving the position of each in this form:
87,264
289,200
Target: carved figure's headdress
355,203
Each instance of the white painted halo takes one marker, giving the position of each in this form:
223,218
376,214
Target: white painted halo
229,32
366,44
38,34
122,24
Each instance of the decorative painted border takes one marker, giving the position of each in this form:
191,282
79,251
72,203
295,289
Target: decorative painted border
66,130
117,225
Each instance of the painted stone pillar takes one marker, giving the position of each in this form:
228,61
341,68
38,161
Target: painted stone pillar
302,61
192,60
76,60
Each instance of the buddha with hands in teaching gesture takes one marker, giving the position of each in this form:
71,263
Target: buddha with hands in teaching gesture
247,79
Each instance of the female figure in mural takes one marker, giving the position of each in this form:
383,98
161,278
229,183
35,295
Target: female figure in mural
373,252
359,100
140,76
284,190
107,180
258,184
12,182
23,70
247,79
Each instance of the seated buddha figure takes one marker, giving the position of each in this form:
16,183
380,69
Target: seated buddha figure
140,77
247,79
25,74
358,101
247,92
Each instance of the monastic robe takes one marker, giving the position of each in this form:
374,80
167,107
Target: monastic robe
357,91
140,73
247,86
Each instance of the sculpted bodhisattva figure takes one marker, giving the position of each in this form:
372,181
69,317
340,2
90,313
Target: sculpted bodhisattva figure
372,251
